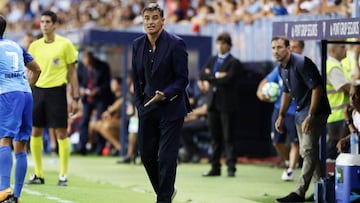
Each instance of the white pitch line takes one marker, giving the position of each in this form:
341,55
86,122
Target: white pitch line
47,196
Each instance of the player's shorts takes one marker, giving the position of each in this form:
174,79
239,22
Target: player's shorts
50,107
289,128
16,115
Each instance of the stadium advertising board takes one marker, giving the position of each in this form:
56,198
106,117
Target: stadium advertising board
319,29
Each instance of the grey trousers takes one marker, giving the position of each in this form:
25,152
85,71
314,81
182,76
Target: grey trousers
309,151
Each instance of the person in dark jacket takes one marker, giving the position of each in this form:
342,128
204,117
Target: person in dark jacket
222,71
94,82
160,76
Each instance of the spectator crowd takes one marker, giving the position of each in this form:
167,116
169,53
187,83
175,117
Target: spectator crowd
214,107
115,14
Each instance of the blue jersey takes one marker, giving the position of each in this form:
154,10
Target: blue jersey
274,76
12,67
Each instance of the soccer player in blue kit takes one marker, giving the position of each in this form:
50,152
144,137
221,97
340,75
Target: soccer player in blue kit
15,112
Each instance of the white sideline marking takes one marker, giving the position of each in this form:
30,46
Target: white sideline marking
36,193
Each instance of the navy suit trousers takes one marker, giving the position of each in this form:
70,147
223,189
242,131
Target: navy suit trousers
159,146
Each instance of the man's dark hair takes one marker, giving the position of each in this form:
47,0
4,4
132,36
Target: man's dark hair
302,44
224,37
91,56
153,7
118,79
2,25
286,40
52,15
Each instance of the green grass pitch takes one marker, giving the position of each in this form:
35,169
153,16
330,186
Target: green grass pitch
100,179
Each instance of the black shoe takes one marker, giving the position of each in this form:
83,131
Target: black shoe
9,199
292,197
133,159
16,200
6,195
35,180
125,160
231,173
212,172
311,198
63,182
81,151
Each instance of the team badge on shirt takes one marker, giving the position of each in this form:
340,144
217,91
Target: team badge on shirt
56,61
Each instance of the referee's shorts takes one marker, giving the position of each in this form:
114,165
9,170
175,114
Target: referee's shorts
50,107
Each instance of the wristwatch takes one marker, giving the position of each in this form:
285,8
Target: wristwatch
348,122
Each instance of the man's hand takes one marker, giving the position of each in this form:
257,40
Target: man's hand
106,115
342,142
220,74
74,107
159,96
278,124
306,125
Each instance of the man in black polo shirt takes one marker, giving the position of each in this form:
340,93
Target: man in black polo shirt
303,84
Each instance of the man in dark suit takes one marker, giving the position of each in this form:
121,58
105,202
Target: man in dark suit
222,71
160,76
94,82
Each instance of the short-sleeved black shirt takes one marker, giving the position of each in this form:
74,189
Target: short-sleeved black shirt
300,76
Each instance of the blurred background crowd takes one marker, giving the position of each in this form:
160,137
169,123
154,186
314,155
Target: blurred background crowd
119,14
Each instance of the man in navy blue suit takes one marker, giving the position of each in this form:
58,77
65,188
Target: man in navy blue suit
94,87
160,76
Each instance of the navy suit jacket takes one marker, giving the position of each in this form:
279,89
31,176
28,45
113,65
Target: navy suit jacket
102,78
169,75
224,92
